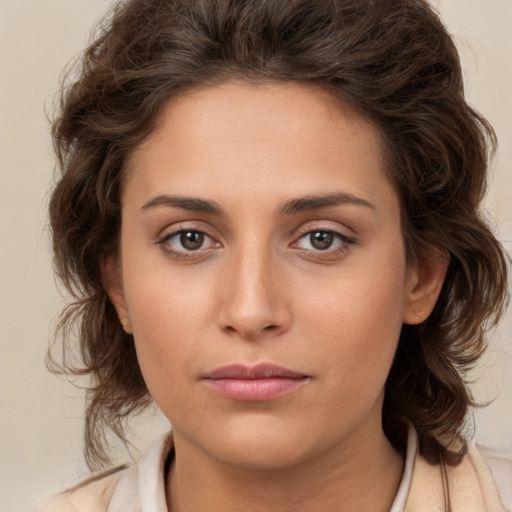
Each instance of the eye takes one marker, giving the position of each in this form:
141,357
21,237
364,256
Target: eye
191,240
186,241
323,240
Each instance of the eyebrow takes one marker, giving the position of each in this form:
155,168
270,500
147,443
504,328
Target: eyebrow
317,201
289,207
185,203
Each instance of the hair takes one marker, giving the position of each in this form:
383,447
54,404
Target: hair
395,62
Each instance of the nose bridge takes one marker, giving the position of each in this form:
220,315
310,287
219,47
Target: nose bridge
252,303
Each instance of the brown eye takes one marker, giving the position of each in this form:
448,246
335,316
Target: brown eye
324,240
191,240
188,243
321,240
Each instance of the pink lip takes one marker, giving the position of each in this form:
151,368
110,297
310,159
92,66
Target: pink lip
254,384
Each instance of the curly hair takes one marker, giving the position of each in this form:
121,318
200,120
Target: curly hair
395,62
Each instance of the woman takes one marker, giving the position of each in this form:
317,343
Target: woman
268,216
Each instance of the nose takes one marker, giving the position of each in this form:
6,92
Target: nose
253,301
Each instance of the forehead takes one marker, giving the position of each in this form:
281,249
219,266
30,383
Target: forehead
252,138
282,109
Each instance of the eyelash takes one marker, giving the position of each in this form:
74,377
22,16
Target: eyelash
344,241
184,254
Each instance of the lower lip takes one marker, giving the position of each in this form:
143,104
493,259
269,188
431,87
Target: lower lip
254,390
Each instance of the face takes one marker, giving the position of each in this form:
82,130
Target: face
262,272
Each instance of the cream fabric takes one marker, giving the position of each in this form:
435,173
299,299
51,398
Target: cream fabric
472,484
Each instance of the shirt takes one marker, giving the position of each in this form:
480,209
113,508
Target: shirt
482,482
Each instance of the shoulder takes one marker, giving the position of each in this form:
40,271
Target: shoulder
140,486
94,495
500,465
481,481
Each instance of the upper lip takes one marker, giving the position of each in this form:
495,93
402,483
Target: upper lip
259,371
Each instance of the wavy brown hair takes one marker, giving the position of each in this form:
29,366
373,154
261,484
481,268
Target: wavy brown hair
394,61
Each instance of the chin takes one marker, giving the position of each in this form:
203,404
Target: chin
262,444
262,456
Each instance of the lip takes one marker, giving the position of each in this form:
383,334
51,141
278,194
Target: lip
258,383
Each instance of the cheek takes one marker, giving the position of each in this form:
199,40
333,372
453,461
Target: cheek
169,313
356,321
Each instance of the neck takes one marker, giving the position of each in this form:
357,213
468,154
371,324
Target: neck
362,473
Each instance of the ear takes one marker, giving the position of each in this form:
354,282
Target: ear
423,286
113,284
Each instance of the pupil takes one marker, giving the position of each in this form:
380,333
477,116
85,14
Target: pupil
192,240
321,239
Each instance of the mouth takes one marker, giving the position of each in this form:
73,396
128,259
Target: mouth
258,383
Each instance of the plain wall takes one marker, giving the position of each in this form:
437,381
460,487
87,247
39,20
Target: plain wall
41,416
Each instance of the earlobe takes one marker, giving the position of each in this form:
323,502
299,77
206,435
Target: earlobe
112,282
423,286
127,326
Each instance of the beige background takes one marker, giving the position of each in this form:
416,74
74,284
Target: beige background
40,416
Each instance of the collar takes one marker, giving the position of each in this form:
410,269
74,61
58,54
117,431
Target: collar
141,488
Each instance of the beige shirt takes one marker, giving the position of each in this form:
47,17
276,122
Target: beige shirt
482,482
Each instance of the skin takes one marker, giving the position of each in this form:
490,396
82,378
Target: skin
259,290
